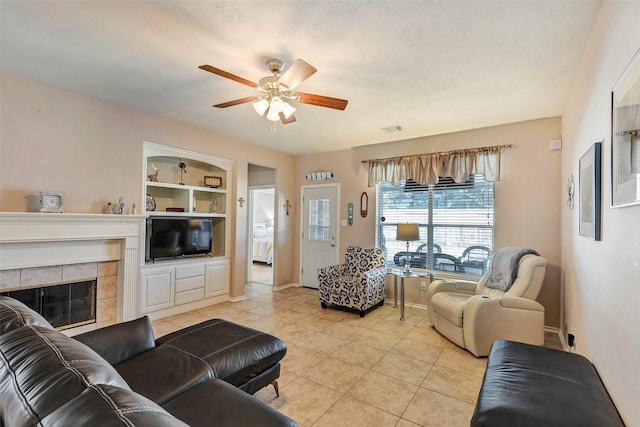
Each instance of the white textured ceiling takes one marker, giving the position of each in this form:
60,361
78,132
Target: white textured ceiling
429,66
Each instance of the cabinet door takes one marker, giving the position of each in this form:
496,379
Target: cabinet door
157,289
217,278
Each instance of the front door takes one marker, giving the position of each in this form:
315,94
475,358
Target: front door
319,231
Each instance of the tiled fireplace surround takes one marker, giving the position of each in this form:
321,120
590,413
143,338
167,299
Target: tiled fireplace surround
42,249
106,273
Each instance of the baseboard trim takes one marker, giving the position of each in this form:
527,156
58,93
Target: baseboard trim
558,332
287,286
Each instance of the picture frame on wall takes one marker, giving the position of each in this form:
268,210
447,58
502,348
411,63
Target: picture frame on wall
625,137
590,192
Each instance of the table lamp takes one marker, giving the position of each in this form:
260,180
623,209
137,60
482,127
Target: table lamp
407,232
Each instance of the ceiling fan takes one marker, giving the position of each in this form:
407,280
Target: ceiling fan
277,90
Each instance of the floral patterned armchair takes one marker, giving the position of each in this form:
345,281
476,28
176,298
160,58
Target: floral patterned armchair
358,283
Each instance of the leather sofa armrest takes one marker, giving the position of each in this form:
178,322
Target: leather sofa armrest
485,308
487,318
122,341
460,287
521,303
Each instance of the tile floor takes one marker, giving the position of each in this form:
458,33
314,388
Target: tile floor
341,369
262,273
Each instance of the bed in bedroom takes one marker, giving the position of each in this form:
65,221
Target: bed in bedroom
262,244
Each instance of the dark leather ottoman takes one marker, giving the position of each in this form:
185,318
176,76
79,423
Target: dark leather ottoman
215,349
526,385
244,357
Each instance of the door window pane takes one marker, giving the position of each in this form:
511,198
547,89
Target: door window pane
319,219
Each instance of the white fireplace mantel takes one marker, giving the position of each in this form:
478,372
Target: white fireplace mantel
44,239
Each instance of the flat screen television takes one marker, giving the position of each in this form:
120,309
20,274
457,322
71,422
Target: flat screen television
171,237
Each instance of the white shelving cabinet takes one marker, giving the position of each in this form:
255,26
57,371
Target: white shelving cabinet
171,286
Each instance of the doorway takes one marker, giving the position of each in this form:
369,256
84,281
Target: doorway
261,203
261,225
319,230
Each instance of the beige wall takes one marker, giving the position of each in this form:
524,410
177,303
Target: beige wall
54,139
602,279
527,198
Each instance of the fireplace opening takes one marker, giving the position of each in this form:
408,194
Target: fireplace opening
64,306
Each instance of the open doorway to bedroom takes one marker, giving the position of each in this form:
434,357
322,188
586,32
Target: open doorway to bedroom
261,204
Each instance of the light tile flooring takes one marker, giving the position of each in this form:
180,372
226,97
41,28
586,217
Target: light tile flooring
262,273
341,369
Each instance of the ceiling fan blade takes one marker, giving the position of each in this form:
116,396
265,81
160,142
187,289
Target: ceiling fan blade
321,101
227,75
236,102
296,74
286,121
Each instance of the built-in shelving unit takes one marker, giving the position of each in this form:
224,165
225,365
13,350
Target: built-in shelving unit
171,286
196,201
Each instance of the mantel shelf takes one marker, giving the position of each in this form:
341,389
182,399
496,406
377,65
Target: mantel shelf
37,226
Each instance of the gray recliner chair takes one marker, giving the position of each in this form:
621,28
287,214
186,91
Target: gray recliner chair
473,315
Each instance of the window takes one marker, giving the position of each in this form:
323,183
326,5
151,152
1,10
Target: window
455,222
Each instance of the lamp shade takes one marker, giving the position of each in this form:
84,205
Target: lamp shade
261,106
287,110
273,115
407,232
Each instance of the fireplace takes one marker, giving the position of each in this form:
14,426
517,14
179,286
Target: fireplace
65,306
33,245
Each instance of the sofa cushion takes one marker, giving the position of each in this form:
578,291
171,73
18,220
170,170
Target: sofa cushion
217,403
41,369
105,406
14,314
133,337
164,372
234,352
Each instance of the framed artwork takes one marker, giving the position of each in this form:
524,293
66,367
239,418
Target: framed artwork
213,181
590,192
625,137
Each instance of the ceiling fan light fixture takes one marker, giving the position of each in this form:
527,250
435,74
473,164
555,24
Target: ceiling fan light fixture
273,115
287,109
276,104
261,106
274,91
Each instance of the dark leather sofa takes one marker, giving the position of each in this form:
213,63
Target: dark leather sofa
121,376
530,386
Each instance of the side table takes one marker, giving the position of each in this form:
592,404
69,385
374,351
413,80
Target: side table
402,274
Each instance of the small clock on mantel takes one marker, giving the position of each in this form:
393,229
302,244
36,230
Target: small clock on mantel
51,201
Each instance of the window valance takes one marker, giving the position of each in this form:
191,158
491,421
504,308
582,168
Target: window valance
427,168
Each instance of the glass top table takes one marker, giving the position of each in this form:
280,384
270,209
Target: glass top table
402,274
